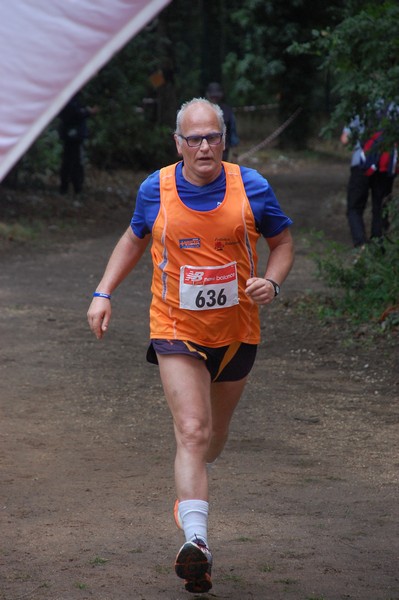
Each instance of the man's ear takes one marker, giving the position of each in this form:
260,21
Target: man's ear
178,144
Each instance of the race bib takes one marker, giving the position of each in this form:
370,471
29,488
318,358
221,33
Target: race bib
207,288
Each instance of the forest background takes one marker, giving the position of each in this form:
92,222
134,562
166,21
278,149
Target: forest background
325,62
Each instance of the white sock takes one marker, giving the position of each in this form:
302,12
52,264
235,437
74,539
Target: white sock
194,517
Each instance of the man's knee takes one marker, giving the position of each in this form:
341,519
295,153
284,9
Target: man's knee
194,432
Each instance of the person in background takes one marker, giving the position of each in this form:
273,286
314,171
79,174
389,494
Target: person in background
73,132
215,94
204,217
377,178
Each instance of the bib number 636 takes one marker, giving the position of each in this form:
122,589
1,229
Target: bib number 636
207,288
210,298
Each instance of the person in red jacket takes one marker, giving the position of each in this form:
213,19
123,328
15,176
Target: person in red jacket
371,171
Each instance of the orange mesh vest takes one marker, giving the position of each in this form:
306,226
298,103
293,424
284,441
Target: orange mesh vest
202,261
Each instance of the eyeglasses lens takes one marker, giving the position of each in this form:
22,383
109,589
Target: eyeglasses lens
213,139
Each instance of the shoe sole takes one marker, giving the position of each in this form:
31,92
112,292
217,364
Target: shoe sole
191,563
199,586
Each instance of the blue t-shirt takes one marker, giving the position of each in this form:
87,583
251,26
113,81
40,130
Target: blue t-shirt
269,218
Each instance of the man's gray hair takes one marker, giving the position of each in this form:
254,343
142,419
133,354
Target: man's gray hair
215,107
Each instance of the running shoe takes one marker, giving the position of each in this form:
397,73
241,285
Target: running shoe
194,564
176,515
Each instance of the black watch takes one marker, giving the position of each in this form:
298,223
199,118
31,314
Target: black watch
276,287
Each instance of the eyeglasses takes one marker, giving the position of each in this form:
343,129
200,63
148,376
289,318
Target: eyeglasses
193,141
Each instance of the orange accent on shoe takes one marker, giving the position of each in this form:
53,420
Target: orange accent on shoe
176,515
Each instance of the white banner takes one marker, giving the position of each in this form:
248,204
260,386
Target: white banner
48,50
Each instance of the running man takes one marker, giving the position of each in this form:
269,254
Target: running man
204,217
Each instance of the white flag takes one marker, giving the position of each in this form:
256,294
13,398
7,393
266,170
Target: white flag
48,50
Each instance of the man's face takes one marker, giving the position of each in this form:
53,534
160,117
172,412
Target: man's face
203,163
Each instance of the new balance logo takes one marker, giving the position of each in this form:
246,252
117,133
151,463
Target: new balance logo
194,276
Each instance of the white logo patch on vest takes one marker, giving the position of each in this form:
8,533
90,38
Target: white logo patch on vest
207,288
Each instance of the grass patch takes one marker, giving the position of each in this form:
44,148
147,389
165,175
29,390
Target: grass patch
364,281
81,586
266,568
20,232
98,561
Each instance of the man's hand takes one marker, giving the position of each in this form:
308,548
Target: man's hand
260,290
99,315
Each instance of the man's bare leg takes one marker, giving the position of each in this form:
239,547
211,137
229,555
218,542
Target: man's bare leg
225,396
186,383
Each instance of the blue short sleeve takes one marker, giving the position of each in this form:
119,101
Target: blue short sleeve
147,206
269,217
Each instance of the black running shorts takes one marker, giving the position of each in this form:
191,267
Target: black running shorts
227,363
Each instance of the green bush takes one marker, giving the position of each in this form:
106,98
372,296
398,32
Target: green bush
132,143
366,281
40,163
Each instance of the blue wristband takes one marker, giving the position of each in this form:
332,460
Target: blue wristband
101,295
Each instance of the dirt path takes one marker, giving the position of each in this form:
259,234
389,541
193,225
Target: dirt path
305,497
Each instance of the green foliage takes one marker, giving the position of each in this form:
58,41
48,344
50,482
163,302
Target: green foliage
47,149
97,560
81,586
127,132
133,143
20,232
42,160
367,281
262,70
263,52
361,54
266,568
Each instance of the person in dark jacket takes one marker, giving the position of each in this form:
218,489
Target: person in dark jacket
378,179
214,94
73,132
